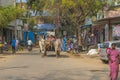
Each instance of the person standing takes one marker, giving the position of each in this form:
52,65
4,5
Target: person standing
29,42
113,56
64,42
17,44
13,42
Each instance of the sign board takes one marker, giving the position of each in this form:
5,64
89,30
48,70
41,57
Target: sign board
18,27
19,22
51,33
116,30
112,13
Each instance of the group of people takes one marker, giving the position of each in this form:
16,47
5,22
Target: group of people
15,45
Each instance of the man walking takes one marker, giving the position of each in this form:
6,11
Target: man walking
13,45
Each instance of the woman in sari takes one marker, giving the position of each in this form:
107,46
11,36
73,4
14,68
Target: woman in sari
113,56
64,44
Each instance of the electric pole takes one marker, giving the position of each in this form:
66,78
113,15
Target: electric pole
57,17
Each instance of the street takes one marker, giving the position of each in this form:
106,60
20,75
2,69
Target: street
80,27
32,66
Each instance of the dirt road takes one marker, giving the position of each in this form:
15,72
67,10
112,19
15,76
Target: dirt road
34,67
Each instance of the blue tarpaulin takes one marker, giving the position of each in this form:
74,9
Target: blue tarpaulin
29,35
18,1
42,32
46,26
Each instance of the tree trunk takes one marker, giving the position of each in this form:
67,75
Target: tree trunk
79,32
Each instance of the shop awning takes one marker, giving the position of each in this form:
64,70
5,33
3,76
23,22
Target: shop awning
112,20
46,26
85,26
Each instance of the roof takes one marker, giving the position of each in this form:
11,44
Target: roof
18,1
113,41
107,20
110,18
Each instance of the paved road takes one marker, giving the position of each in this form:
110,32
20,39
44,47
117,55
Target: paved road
34,67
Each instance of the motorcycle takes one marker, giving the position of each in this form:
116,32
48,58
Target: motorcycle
77,49
74,48
29,47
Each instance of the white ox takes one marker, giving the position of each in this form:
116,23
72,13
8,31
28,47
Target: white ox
42,46
57,45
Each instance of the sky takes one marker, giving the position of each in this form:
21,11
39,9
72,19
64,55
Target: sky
22,1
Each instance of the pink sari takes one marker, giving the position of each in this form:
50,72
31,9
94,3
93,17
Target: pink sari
113,63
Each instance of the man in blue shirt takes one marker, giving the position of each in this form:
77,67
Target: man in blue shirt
13,45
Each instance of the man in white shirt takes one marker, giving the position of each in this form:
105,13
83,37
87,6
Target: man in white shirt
29,42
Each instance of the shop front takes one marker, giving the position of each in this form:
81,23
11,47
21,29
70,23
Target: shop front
109,29
86,33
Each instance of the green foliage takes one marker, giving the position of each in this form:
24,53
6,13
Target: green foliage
31,22
72,13
78,10
7,14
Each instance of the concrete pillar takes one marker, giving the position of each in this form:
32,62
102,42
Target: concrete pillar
109,31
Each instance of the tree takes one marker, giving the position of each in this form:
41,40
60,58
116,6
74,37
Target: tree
8,14
71,13
76,11
41,7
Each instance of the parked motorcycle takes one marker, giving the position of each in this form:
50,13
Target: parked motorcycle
78,49
74,48
29,43
29,47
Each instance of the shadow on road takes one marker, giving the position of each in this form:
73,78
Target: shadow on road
5,68
61,56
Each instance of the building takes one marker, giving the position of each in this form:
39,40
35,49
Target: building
7,32
6,3
106,25
108,22
15,27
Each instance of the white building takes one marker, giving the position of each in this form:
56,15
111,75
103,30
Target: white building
6,3
15,27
